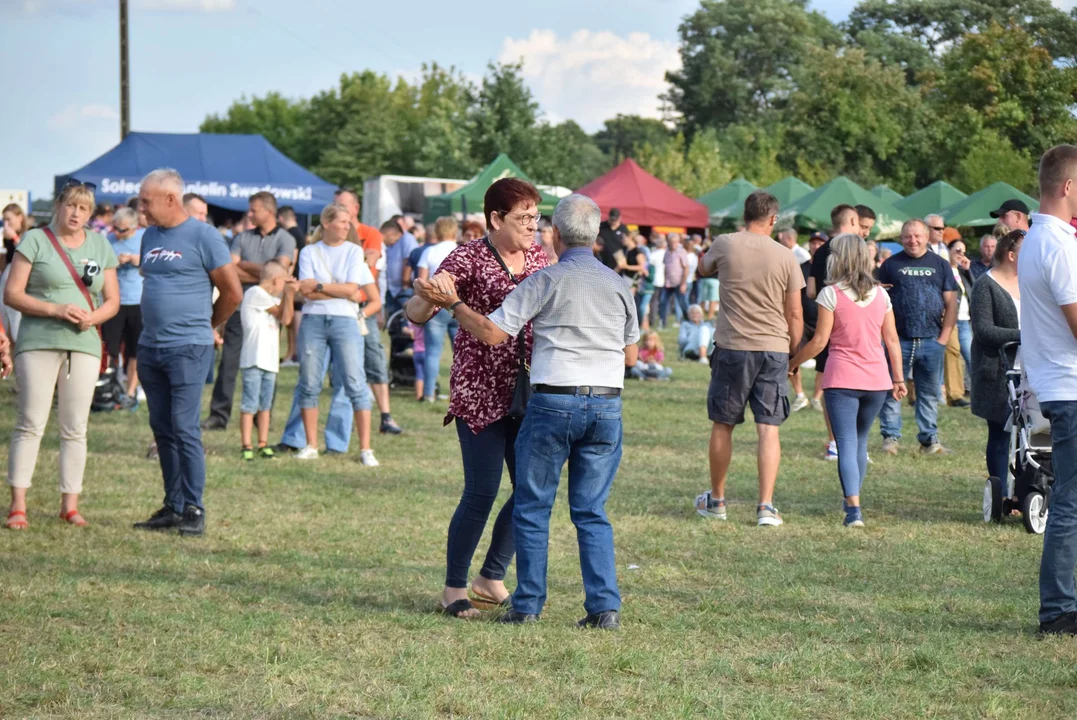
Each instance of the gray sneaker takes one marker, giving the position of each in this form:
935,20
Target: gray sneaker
935,448
767,515
710,508
890,446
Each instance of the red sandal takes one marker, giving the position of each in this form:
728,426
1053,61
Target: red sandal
73,517
13,523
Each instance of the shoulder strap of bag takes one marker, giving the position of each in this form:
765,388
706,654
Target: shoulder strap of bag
520,344
70,268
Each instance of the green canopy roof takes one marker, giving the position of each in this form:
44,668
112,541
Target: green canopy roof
720,201
812,212
789,190
885,193
470,197
930,200
975,210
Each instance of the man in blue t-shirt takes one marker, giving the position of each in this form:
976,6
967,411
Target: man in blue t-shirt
122,331
924,294
182,261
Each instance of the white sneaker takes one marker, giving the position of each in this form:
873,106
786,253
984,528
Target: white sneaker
799,404
366,457
832,450
307,453
816,405
140,394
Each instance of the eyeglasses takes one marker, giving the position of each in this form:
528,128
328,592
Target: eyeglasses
122,230
72,182
937,229
525,219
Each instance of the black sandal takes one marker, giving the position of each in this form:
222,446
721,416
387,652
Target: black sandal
457,608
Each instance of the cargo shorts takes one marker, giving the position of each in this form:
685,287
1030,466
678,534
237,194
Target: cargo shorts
747,377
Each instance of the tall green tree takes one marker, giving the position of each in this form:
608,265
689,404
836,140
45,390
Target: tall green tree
568,156
504,116
621,136
694,168
441,127
275,117
739,57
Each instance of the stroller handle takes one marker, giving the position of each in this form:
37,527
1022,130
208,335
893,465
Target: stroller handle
1005,352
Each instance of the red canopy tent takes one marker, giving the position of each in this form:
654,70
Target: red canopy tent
643,199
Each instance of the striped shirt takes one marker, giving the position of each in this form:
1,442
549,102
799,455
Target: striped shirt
583,317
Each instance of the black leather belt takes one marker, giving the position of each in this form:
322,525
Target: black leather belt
596,390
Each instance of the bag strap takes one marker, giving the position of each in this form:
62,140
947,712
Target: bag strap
520,344
70,268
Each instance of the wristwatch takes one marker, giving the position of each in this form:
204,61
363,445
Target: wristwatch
452,308
319,288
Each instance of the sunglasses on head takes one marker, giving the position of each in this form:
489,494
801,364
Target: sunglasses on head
72,182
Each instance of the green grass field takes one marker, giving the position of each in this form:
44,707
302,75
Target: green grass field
313,594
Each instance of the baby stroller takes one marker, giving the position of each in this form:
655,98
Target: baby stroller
1030,474
401,366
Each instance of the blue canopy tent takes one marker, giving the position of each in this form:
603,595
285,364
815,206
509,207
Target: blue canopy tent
224,169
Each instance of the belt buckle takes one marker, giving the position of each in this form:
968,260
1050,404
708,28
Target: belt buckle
584,390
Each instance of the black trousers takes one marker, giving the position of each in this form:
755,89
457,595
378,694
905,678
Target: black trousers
220,406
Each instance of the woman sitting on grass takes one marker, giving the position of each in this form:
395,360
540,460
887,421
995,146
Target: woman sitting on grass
651,357
857,319
695,338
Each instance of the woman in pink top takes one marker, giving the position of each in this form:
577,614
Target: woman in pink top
856,318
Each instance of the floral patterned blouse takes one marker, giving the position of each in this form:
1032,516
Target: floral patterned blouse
483,377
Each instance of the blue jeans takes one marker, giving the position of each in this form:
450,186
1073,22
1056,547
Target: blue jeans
643,304
434,336
852,413
485,455
338,426
964,338
1057,593
663,303
586,432
338,337
258,386
923,357
172,379
998,452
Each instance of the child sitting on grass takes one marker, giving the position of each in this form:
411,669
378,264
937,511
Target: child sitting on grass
651,356
266,307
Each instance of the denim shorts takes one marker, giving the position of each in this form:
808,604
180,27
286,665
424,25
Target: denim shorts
258,386
744,377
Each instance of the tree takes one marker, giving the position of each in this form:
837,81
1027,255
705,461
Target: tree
693,168
569,156
439,143
275,117
739,58
752,149
990,159
620,137
503,116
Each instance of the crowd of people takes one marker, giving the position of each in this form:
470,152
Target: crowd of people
546,322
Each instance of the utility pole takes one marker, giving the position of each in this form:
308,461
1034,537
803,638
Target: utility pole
125,82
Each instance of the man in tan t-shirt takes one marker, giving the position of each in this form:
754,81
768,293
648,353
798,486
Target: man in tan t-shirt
759,325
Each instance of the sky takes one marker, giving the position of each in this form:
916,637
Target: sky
585,60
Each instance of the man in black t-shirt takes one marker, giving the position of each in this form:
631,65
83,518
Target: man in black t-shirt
611,236
924,295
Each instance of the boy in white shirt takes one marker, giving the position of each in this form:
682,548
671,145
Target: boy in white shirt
266,307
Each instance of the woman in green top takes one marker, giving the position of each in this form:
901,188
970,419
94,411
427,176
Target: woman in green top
58,344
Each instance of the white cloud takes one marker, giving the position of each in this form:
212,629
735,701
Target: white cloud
591,76
73,116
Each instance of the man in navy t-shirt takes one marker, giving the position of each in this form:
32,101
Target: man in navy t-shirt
182,261
924,294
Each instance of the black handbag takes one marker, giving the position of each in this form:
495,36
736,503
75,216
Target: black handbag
521,395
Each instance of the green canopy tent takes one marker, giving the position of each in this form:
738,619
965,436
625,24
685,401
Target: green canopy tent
469,198
812,212
789,190
727,198
930,200
975,210
885,193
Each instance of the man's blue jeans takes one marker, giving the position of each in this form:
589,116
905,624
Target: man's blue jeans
586,432
681,308
1057,593
338,426
172,379
923,357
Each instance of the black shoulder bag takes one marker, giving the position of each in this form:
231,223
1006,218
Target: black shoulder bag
522,393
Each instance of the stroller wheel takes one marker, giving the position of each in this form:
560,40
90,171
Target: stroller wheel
992,500
1034,512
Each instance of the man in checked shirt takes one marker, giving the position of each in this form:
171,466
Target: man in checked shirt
585,328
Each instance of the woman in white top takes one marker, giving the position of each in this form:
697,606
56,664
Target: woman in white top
331,272
445,230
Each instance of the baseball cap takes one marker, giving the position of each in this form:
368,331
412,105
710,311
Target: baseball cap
615,214
819,235
1008,206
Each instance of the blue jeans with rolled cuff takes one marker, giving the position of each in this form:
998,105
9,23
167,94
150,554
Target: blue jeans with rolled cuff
923,358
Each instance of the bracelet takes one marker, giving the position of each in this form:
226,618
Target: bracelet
452,308
899,382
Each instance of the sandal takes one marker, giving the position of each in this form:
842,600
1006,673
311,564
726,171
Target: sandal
13,522
457,608
74,518
489,602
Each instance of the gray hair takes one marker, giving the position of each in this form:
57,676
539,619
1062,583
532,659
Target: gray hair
167,178
929,218
126,215
577,218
